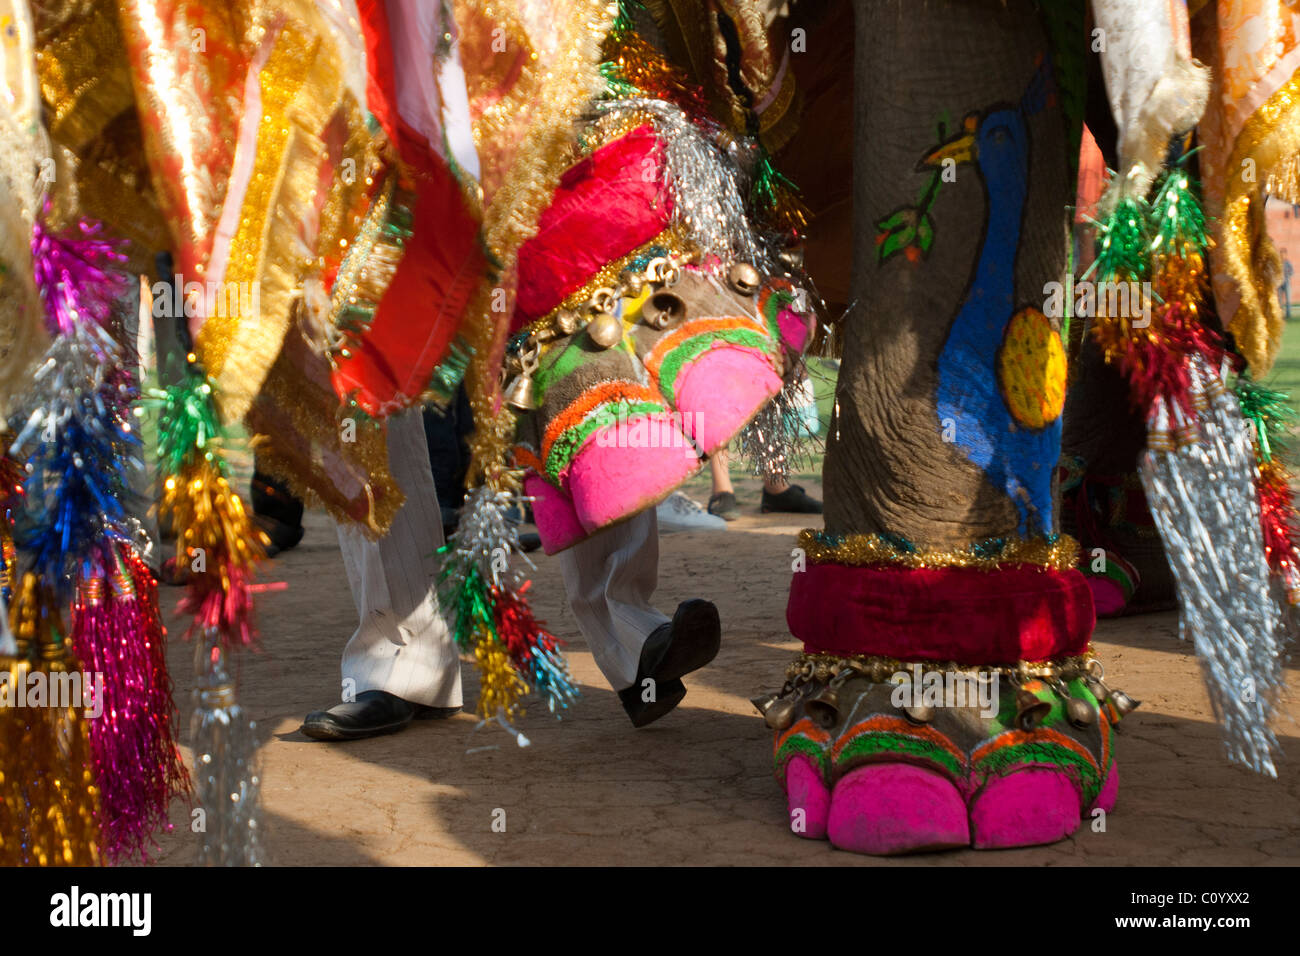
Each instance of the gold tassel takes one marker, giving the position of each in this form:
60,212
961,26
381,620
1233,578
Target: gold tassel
49,804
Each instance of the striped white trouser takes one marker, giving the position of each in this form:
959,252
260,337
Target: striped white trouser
402,644
610,578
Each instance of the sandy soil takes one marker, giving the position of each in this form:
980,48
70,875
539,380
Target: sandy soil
696,787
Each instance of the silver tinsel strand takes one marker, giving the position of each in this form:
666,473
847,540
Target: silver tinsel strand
486,538
226,781
704,182
775,444
1203,498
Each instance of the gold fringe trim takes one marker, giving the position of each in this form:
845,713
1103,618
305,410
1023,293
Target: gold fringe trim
868,550
1271,139
296,418
301,89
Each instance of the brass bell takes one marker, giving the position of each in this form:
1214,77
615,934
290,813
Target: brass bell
1080,713
824,709
779,714
1124,704
519,394
1099,690
566,320
919,714
605,330
663,309
1030,710
762,702
744,278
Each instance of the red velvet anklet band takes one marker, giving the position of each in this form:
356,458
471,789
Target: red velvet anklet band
965,615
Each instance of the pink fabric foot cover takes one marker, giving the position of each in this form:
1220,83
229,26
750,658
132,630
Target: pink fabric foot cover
888,809
619,471
805,792
1025,808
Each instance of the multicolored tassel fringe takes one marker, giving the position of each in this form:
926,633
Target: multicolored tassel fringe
214,532
76,533
1199,470
513,650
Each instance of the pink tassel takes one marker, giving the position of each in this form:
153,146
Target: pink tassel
118,635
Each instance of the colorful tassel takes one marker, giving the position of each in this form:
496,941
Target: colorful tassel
214,532
514,651
117,634
1198,470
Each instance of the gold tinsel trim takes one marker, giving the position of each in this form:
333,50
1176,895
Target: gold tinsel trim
303,446
368,268
301,89
878,669
552,91
867,550
1271,139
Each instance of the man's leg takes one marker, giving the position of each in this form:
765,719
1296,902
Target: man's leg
401,660
610,578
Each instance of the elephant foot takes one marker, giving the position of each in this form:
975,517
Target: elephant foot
885,758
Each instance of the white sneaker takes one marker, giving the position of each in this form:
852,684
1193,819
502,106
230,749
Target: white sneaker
679,513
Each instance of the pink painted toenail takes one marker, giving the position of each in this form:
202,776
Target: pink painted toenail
895,808
1025,808
807,798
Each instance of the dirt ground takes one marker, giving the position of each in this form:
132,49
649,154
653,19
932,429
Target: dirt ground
696,787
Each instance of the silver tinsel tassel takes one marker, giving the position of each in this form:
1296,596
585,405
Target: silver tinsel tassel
226,781
775,444
486,538
1203,498
704,182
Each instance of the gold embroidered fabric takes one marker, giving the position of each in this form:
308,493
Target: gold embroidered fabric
1251,138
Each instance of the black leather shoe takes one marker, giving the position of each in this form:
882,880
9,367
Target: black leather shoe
684,644
793,500
374,712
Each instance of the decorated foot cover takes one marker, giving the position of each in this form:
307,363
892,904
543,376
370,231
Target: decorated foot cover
983,722
652,323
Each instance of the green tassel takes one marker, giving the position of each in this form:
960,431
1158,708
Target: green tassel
1270,415
1176,215
188,424
1123,241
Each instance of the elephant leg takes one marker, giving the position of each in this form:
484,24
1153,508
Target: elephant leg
912,721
